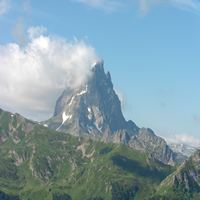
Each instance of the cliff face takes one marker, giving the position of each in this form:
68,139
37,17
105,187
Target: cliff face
188,176
155,146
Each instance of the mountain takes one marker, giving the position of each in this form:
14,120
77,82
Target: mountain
89,151
184,183
13,127
38,163
155,146
94,110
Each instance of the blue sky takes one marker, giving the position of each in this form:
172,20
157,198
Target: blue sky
151,48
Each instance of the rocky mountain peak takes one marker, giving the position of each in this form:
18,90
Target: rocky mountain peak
98,66
93,109
98,74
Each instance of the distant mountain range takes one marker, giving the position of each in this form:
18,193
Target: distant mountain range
183,149
88,151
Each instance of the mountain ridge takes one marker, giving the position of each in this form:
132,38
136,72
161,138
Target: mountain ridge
184,183
94,110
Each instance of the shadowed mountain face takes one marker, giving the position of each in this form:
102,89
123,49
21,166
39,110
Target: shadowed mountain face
94,110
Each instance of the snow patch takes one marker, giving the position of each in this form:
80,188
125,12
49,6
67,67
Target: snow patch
79,94
65,117
90,117
45,125
71,101
89,109
94,64
83,91
90,113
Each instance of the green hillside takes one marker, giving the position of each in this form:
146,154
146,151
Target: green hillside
184,183
40,164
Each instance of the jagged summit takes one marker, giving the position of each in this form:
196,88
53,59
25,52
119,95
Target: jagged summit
93,109
98,65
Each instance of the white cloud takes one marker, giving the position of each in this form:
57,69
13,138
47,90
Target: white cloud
19,31
144,5
4,6
106,5
188,5
184,139
26,6
35,32
33,76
